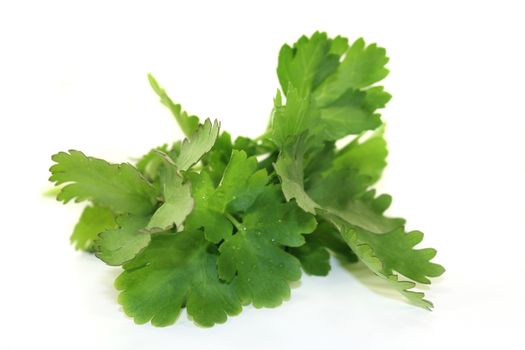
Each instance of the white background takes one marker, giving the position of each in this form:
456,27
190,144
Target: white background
73,75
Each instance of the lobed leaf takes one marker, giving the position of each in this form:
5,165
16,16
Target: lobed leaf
178,202
309,61
122,244
289,168
361,67
174,271
239,187
119,187
254,254
384,246
197,145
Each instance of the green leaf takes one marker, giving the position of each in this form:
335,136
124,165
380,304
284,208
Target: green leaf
361,67
329,237
122,244
315,253
376,97
348,115
338,109
376,263
367,157
338,99
239,187
335,187
335,178
174,271
150,164
197,145
241,183
314,258
254,254
289,168
217,159
93,220
295,118
384,246
251,147
396,251
319,161
187,123
119,187
309,62
216,226
366,211
178,202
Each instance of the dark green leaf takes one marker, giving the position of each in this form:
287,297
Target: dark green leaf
174,271
255,254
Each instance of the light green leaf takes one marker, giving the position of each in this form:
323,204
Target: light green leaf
361,67
376,97
366,211
197,145
174,271
347,115
289,168
178,202
151,163
396,251
187,123
119,187
122,244
384,246
93,220
370,257
309,62
295,118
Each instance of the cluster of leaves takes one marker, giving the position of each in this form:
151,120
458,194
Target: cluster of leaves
212,224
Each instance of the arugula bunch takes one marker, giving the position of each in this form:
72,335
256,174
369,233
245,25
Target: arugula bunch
212,224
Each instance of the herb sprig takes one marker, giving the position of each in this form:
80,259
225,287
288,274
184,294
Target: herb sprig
211,225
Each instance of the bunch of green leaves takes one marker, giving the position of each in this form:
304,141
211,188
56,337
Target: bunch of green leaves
212,224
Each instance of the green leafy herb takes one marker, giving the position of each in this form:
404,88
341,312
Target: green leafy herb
210,225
